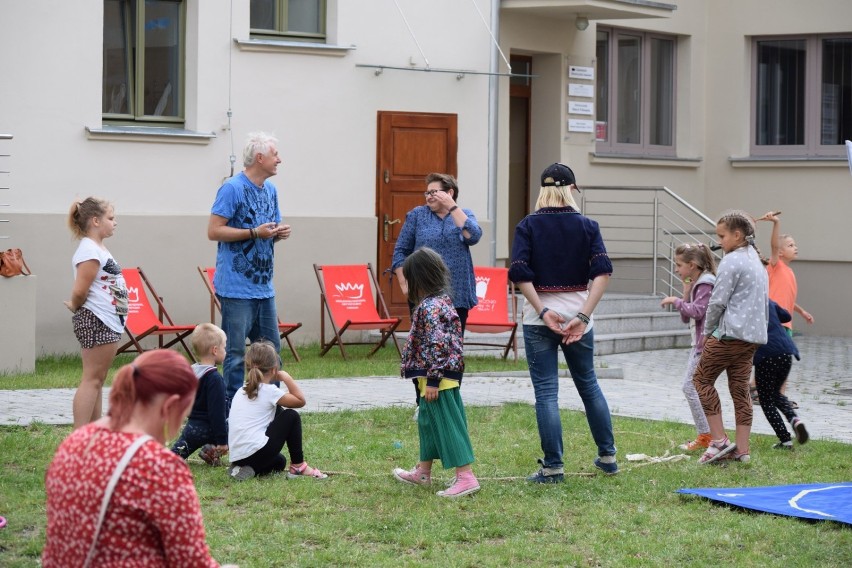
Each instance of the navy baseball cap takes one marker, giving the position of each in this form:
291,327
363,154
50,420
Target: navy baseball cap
557,175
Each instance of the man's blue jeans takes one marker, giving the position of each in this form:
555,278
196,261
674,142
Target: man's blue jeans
542,348
241,319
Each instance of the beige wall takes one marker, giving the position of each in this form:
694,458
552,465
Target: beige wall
323,108
713,121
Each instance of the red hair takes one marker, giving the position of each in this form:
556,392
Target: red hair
152,373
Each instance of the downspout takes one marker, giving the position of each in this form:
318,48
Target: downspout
493,86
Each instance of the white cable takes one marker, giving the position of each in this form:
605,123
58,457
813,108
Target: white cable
423,55
493,39
232,157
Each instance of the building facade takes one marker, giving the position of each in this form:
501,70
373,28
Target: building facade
147,104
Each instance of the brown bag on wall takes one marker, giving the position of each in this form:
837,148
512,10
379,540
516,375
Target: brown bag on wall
12,263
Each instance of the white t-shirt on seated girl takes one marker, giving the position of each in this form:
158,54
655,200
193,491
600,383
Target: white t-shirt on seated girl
249,419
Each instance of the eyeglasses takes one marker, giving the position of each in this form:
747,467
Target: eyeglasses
432,192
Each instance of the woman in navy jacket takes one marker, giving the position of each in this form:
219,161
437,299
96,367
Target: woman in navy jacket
555,254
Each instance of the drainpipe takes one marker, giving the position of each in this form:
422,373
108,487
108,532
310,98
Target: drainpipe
493,86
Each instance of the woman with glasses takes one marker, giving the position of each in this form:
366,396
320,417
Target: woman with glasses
449,230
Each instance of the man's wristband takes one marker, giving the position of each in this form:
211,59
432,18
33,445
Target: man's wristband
453,208
542,312
583,318
252,233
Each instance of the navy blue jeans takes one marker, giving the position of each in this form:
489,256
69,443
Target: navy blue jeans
542,348
241,319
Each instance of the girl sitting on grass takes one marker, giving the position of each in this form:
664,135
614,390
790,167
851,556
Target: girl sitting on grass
263,419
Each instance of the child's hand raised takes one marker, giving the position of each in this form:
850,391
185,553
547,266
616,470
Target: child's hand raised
668,300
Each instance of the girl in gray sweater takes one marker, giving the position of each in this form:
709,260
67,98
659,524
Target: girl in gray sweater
735,325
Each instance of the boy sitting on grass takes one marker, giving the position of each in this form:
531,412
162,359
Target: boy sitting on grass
207,426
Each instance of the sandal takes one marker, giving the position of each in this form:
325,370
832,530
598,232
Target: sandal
305,470
755,400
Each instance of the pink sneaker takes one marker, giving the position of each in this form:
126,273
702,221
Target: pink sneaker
305,470
416,476
465,484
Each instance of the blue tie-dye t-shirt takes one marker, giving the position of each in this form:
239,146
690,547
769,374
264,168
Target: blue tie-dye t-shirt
244,268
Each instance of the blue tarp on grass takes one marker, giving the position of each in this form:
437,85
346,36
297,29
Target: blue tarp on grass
819,501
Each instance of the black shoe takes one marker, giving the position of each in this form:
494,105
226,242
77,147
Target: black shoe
800,430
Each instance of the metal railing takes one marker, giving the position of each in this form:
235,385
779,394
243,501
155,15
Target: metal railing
642,226
4,185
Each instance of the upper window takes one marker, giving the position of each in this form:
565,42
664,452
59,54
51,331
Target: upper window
143,60
301,20
635,100
802,95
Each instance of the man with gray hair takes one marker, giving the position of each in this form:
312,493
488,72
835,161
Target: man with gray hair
246,222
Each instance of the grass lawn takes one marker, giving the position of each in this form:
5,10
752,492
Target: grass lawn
361,516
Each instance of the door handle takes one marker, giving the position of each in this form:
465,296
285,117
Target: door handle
387,223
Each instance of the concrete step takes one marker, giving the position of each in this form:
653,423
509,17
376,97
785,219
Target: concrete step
635,322
607,344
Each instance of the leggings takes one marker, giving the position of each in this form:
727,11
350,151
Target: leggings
285,428
735,357
691,394
769,375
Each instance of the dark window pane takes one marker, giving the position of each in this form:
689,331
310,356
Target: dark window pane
162,58
629,89
836,92
662,92
602,94
117,86
520,66
780,92
304,16
263,14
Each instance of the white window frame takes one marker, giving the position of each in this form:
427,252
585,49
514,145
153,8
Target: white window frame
610,84
135,64
282,31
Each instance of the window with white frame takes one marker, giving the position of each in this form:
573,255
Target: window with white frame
295,20
802,103
143,61
635,98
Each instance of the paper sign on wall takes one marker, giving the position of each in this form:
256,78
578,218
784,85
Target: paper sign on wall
579,72
579,125
578,107
580,90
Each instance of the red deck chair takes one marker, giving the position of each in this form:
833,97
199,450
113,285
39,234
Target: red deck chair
491,314
346,294
284,329
143,321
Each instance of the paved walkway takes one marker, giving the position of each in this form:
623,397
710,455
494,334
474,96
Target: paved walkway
649,388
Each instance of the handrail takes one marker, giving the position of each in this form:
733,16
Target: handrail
4,136
643,230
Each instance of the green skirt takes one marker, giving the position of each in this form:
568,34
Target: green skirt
442,426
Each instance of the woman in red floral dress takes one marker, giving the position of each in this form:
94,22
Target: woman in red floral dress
154,516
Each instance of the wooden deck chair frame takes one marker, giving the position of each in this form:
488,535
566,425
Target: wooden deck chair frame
284,328
491,315
379,321
158,323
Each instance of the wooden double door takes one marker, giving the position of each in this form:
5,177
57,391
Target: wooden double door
409,147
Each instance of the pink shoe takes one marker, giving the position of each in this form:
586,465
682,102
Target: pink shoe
305,470
416,476
465,484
